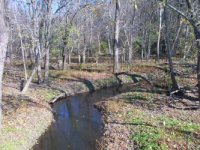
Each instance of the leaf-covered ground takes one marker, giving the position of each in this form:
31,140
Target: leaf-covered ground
26,117
148,118
134,120
145,118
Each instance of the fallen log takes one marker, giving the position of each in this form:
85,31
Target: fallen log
133,76
183,108
63,95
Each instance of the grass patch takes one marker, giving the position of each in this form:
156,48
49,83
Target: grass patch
45,94
50,95
9,129
9,146
107,82
149,138
150,132
130,97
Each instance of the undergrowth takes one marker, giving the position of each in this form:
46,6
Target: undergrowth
159,132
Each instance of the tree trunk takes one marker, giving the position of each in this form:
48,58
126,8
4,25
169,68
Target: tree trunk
11,48
130,51
25,88
35,40
39,74
99,52
116,40
149,47
91,31
194,24
198,65
47,38
35,69
159,33
187,52
176,41
143,45
167,32
32,54
69,56
23,53
64,62
3,49
84,53
109,44
38,61
123,55
197,36
46,73
186,33
79,58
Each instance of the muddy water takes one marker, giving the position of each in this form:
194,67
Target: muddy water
77,123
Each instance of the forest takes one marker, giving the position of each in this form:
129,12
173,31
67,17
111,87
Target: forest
99,74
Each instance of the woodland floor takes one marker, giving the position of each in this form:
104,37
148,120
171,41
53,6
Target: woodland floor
145,118
148,118
26,117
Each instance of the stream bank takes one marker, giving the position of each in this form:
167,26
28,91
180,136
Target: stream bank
32,112
144,103
142,119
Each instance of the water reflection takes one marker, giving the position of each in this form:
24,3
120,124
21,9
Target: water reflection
78,124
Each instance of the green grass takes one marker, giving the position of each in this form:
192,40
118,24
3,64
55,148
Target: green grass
148,138
179,125
9,129
103,83
50,95
130,97
150,132
46,94
9,146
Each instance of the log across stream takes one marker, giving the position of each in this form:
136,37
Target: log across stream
78,125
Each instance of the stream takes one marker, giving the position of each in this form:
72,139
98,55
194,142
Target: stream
78,125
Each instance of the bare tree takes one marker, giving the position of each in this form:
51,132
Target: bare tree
167,33
160,29
47,9
116,40
3,48
193,19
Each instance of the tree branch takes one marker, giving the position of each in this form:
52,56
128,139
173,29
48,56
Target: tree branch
179,12
182,14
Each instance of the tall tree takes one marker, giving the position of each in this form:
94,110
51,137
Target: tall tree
193,19
3,48
116,40
160,29
168,46
47,23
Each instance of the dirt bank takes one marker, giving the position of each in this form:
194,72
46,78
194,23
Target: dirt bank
26,117
128,117
144,120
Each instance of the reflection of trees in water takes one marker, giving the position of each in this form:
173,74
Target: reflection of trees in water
78,124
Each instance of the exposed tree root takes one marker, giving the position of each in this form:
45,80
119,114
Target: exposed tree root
63,95
133,76
183,108
178,92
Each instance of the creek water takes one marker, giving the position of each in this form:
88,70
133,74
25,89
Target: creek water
77,123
